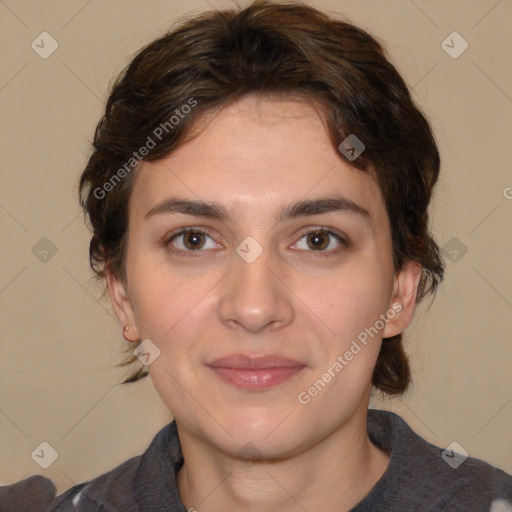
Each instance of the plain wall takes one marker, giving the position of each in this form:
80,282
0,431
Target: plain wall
59,342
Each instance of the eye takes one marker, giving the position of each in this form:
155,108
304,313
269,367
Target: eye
318,239
192,241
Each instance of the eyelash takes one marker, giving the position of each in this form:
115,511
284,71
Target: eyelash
191,253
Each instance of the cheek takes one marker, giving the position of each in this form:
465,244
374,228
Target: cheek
353,301
172,311
155,309
156,297
352,310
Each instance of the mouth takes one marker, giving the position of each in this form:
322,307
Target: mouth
250,372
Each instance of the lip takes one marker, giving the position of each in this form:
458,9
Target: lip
243,361
255,372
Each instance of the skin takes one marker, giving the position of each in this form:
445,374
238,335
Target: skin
254,157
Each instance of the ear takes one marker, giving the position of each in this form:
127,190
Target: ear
403,299
122,306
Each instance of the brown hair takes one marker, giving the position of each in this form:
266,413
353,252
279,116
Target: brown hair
212,59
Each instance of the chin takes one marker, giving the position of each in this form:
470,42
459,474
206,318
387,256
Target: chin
271,435
267,447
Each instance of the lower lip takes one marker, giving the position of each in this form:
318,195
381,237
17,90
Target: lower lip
251,378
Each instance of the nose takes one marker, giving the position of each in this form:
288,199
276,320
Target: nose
255,295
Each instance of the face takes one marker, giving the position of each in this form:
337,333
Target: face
305,284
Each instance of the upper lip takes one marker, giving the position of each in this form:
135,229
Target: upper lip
243,361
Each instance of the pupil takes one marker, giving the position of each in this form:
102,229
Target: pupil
316,236
194,236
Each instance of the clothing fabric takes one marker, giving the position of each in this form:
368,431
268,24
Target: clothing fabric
417,479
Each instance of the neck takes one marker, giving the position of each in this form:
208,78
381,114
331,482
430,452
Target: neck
335,474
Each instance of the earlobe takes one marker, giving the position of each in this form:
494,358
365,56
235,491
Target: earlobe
402,304
122,307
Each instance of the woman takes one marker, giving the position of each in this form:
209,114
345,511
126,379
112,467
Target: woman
258,195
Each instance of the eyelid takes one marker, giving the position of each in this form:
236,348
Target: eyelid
326,229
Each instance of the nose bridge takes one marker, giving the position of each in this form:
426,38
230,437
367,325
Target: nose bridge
254,296
252,265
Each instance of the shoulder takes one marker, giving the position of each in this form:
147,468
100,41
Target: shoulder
32,494
115,486
117,489
431,477
37,493
129,487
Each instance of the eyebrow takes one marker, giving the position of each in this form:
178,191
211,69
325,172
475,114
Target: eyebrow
217,211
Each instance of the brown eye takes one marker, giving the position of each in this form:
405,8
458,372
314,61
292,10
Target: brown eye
318,240
188,241
193,240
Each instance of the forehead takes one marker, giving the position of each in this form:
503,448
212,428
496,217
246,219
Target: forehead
257,151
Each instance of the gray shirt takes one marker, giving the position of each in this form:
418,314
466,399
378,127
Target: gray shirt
418,479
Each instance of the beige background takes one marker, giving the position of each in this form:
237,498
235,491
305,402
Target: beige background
59,343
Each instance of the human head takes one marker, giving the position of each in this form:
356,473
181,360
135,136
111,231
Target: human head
210,61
